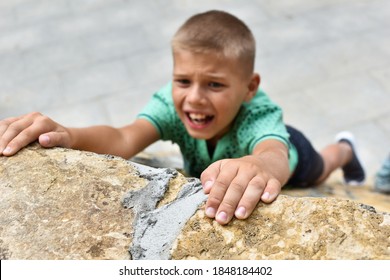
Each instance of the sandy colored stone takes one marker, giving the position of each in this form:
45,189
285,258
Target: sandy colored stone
64,204
335,187
291,228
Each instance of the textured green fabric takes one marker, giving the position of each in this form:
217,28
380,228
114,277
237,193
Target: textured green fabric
256,121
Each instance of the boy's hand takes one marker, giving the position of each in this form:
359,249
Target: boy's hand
235,186
18,132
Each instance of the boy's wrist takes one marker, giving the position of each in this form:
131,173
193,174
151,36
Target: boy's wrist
72,138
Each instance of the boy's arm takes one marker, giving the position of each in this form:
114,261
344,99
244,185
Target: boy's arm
235,186
125,142
16,133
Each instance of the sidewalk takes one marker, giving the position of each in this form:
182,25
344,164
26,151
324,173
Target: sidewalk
327,63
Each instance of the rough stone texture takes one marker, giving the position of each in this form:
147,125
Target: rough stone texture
57,204
291,228
66,204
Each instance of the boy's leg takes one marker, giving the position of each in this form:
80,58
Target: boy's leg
310,163
334,156
342,154
313,169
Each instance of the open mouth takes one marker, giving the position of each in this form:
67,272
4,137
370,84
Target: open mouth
199,119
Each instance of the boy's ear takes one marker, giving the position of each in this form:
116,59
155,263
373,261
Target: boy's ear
253,86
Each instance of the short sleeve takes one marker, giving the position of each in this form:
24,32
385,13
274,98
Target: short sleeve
261,119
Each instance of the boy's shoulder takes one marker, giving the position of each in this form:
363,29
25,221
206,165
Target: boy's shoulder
259,108
260,100
165,93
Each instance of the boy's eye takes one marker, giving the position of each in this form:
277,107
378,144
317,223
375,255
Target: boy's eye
183,82
215,85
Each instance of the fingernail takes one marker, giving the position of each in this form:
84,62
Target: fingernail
240,212
208,185
7,150
210,212
265,196
222,217
45,139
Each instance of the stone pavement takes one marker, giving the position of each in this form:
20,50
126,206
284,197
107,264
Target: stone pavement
327,63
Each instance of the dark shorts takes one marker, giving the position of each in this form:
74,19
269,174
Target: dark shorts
310,163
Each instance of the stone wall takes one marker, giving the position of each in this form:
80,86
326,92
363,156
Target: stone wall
66,204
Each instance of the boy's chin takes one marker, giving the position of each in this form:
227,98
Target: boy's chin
199,135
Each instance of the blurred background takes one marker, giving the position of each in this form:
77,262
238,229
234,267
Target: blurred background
87,62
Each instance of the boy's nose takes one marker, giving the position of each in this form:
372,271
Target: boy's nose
195,95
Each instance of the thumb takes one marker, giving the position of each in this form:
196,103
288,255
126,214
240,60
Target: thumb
52,139
209,175
271,191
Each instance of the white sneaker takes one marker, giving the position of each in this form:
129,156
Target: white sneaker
353,171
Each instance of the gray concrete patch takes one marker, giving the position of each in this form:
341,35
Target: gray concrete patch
155,230
146,199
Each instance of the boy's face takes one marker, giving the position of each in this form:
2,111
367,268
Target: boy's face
208,91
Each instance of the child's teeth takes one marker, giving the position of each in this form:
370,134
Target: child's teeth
197,116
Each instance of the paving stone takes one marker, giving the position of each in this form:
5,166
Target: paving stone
95,80
41,11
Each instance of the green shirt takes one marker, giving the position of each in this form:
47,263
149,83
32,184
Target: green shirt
258,120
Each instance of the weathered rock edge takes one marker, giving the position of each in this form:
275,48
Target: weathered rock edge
66,204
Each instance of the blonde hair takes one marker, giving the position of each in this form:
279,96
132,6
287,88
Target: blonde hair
219,32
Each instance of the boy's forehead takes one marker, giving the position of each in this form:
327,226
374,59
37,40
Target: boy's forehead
210,63
211,58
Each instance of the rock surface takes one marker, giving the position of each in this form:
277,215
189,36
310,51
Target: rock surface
58,204
66,204
291,228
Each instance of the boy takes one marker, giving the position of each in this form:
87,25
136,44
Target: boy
230,133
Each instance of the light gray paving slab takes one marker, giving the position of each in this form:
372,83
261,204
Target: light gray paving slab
11,70
52,58
350,99
30,95
350,18
88,6
384,125
154,69
80,114
7,18
40,11
354,55
382,75
95,80
20,39
289,71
